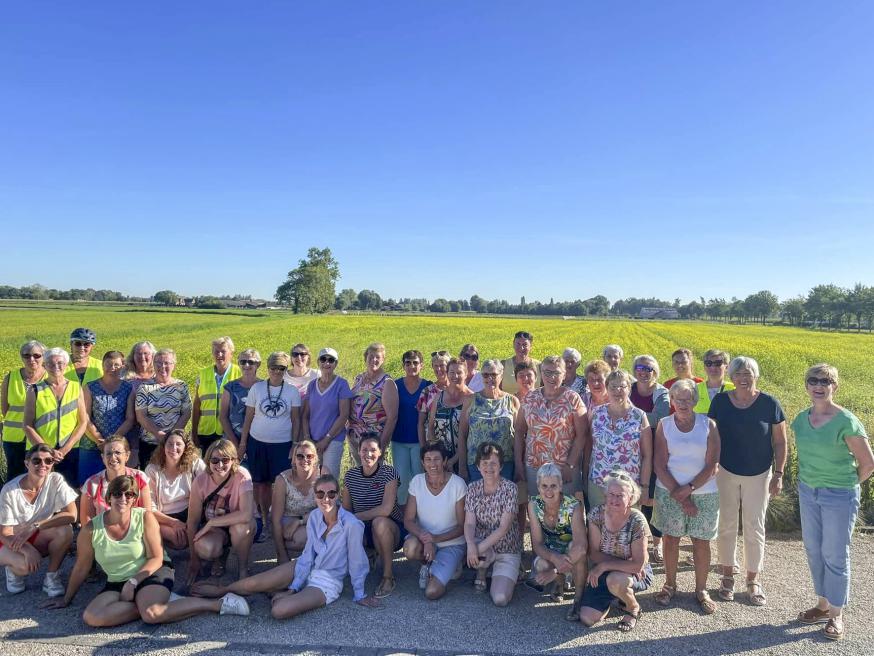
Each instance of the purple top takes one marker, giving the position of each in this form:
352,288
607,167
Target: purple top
325,406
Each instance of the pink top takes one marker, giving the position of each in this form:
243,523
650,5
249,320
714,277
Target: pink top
95,489
228,498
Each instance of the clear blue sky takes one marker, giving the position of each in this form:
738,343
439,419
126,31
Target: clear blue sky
556,149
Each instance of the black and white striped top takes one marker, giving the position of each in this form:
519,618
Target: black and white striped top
367,491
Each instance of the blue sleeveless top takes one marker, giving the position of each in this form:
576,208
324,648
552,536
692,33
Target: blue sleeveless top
406,430
107,410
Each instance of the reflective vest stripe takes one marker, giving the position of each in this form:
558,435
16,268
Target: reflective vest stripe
56,419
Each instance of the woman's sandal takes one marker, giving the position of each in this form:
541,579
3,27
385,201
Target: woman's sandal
479,585
556,593
707,605
726,588
664,596
385,588
832,631
573,614
658,555
813,616
629,620
757,593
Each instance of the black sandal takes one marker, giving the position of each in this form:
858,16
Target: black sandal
629,620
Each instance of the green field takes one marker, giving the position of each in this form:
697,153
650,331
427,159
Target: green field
783,353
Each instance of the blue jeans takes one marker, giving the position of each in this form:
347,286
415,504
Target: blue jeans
405,458
827,518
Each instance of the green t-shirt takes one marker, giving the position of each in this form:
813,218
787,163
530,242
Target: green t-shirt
824,459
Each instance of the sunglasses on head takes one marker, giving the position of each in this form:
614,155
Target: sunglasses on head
434,354
327,359
470,356
299,354
321,494
219,461
621,475
130,494
813,381
714,363
249,363
48,462
31,356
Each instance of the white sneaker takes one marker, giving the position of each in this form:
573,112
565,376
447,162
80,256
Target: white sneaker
424,575
15,583
233,604
52,585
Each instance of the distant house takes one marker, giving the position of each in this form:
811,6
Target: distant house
246,304
659,313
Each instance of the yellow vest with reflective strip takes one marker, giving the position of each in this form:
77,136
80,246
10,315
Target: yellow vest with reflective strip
16,394
55,421
93,371
703,405
210,398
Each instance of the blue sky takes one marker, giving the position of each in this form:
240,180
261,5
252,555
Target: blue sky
559,149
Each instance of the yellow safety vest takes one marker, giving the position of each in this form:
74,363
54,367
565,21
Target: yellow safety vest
703,405
56,420
16,394
210,398
93,371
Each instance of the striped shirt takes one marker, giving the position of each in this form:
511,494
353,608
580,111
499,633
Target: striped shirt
367,491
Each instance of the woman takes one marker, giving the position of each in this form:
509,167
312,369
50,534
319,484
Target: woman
752,431
651,397
140,365
110,405
443,423
126,542
209,386
522,342
572,359
325,411
115,453
612,355
434,518
618,535
371,492
621,438
487,416
54,414
686,497
405,439
715,364
37,509
12,399
175,464
161,406
525,374
82,368
220,510
596,373
334,547
301,374
491,530
470,354
439,365
374,402
293,492
558,537
834,457
551,427
682,361
272,423
232,409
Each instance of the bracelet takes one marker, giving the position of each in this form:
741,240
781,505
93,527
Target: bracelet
778,472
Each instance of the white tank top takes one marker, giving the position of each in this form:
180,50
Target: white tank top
686,452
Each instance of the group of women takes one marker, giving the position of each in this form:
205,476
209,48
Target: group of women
608,471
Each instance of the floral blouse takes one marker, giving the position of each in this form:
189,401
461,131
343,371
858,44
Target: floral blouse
616,445
368,414
550,426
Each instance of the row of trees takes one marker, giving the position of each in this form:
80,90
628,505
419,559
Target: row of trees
41,293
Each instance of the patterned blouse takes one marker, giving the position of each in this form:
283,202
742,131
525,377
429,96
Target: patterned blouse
297,504
616,445
427,398
367,416
550,426
488,508
491,420
618,544
558,537
446,421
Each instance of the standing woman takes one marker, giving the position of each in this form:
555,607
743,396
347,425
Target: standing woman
54,414
834,457
140,369
232,410
572,359
293,493
715,364
522,342
443,424
683,362
374,402
82,367
208,387
325,411
300,374
470,355
110,405
115,453
752,430
439,365
161,406
525,374
405,440
12,399
612,355
595,394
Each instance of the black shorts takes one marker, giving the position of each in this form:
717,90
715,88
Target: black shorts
164,576
182,515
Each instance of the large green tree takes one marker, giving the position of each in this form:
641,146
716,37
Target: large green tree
309,288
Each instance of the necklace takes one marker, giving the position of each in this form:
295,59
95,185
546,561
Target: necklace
274,404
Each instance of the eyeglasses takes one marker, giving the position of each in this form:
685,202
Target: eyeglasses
31,356
114,453
714,363
299,354
54,364
249,363
490,375
36,462
277,367
411,363
219,461
822,382
327,359
470,356
305,456
434,354
80,343
550,373
617,388
524,335
127,495
643,367
321,494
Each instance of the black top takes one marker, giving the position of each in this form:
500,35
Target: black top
745,434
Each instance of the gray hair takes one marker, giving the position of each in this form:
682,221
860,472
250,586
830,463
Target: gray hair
56,352
224,341
554,360
250,354
28,347
612,347
548,470
743,362
164,352
495,366
648,360
571,353
685,384
620,478
621,375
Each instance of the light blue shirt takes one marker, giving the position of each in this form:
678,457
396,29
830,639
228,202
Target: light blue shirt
340,551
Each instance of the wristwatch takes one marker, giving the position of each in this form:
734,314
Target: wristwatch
691,487
133,581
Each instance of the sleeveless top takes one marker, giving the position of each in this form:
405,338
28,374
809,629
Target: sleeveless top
407,429
120,559
446,426
107,410
491,420
296,503
367,416
557,538
686,452
237,406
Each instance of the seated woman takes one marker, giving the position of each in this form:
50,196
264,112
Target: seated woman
37,509
618,535
371,492
558,537
175,464
293,491
220,510
491,528
115,452
434,516
126,542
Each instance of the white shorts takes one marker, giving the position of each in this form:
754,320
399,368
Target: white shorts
329,586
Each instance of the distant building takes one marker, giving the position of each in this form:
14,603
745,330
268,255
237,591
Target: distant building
659,313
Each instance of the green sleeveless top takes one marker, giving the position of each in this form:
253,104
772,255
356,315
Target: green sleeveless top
120,559
557,538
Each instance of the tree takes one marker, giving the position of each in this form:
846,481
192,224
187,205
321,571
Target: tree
792,310
369,300
346,299
310,288
761,305
166,297
209,303
478,304
440,305
826,303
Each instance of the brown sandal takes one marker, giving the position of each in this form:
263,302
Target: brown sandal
664,596
708,607
813,616
726,588
831,629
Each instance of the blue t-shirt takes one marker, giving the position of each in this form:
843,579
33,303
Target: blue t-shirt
237,407
407,427
325,406
107,410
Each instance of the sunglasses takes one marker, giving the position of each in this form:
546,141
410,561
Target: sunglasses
822,382
622,476
470,356
127,495
299,354
249,363
714,363
327,359
321,494
411,363
81,343
305,456
48,462
219,461
434,354
31,356
643,367
278,368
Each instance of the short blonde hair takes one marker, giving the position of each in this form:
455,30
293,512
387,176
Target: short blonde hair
650,361
623,480
224,448
250,354
131,363
555,360
823,369
374,347
621,375
597,367
717,353
224,341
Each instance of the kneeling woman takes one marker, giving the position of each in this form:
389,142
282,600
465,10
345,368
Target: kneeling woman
126,542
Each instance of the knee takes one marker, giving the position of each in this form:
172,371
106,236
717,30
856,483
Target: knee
207,550
153,614
412,549
281,611
434,591
239,532
589,617
500,598
93,619
617,583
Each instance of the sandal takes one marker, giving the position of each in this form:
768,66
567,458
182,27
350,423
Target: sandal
726,588
832,631
708,607
629,620
573,614
658,555
556,594
813,616
479,585
757,593
385,588
664,596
